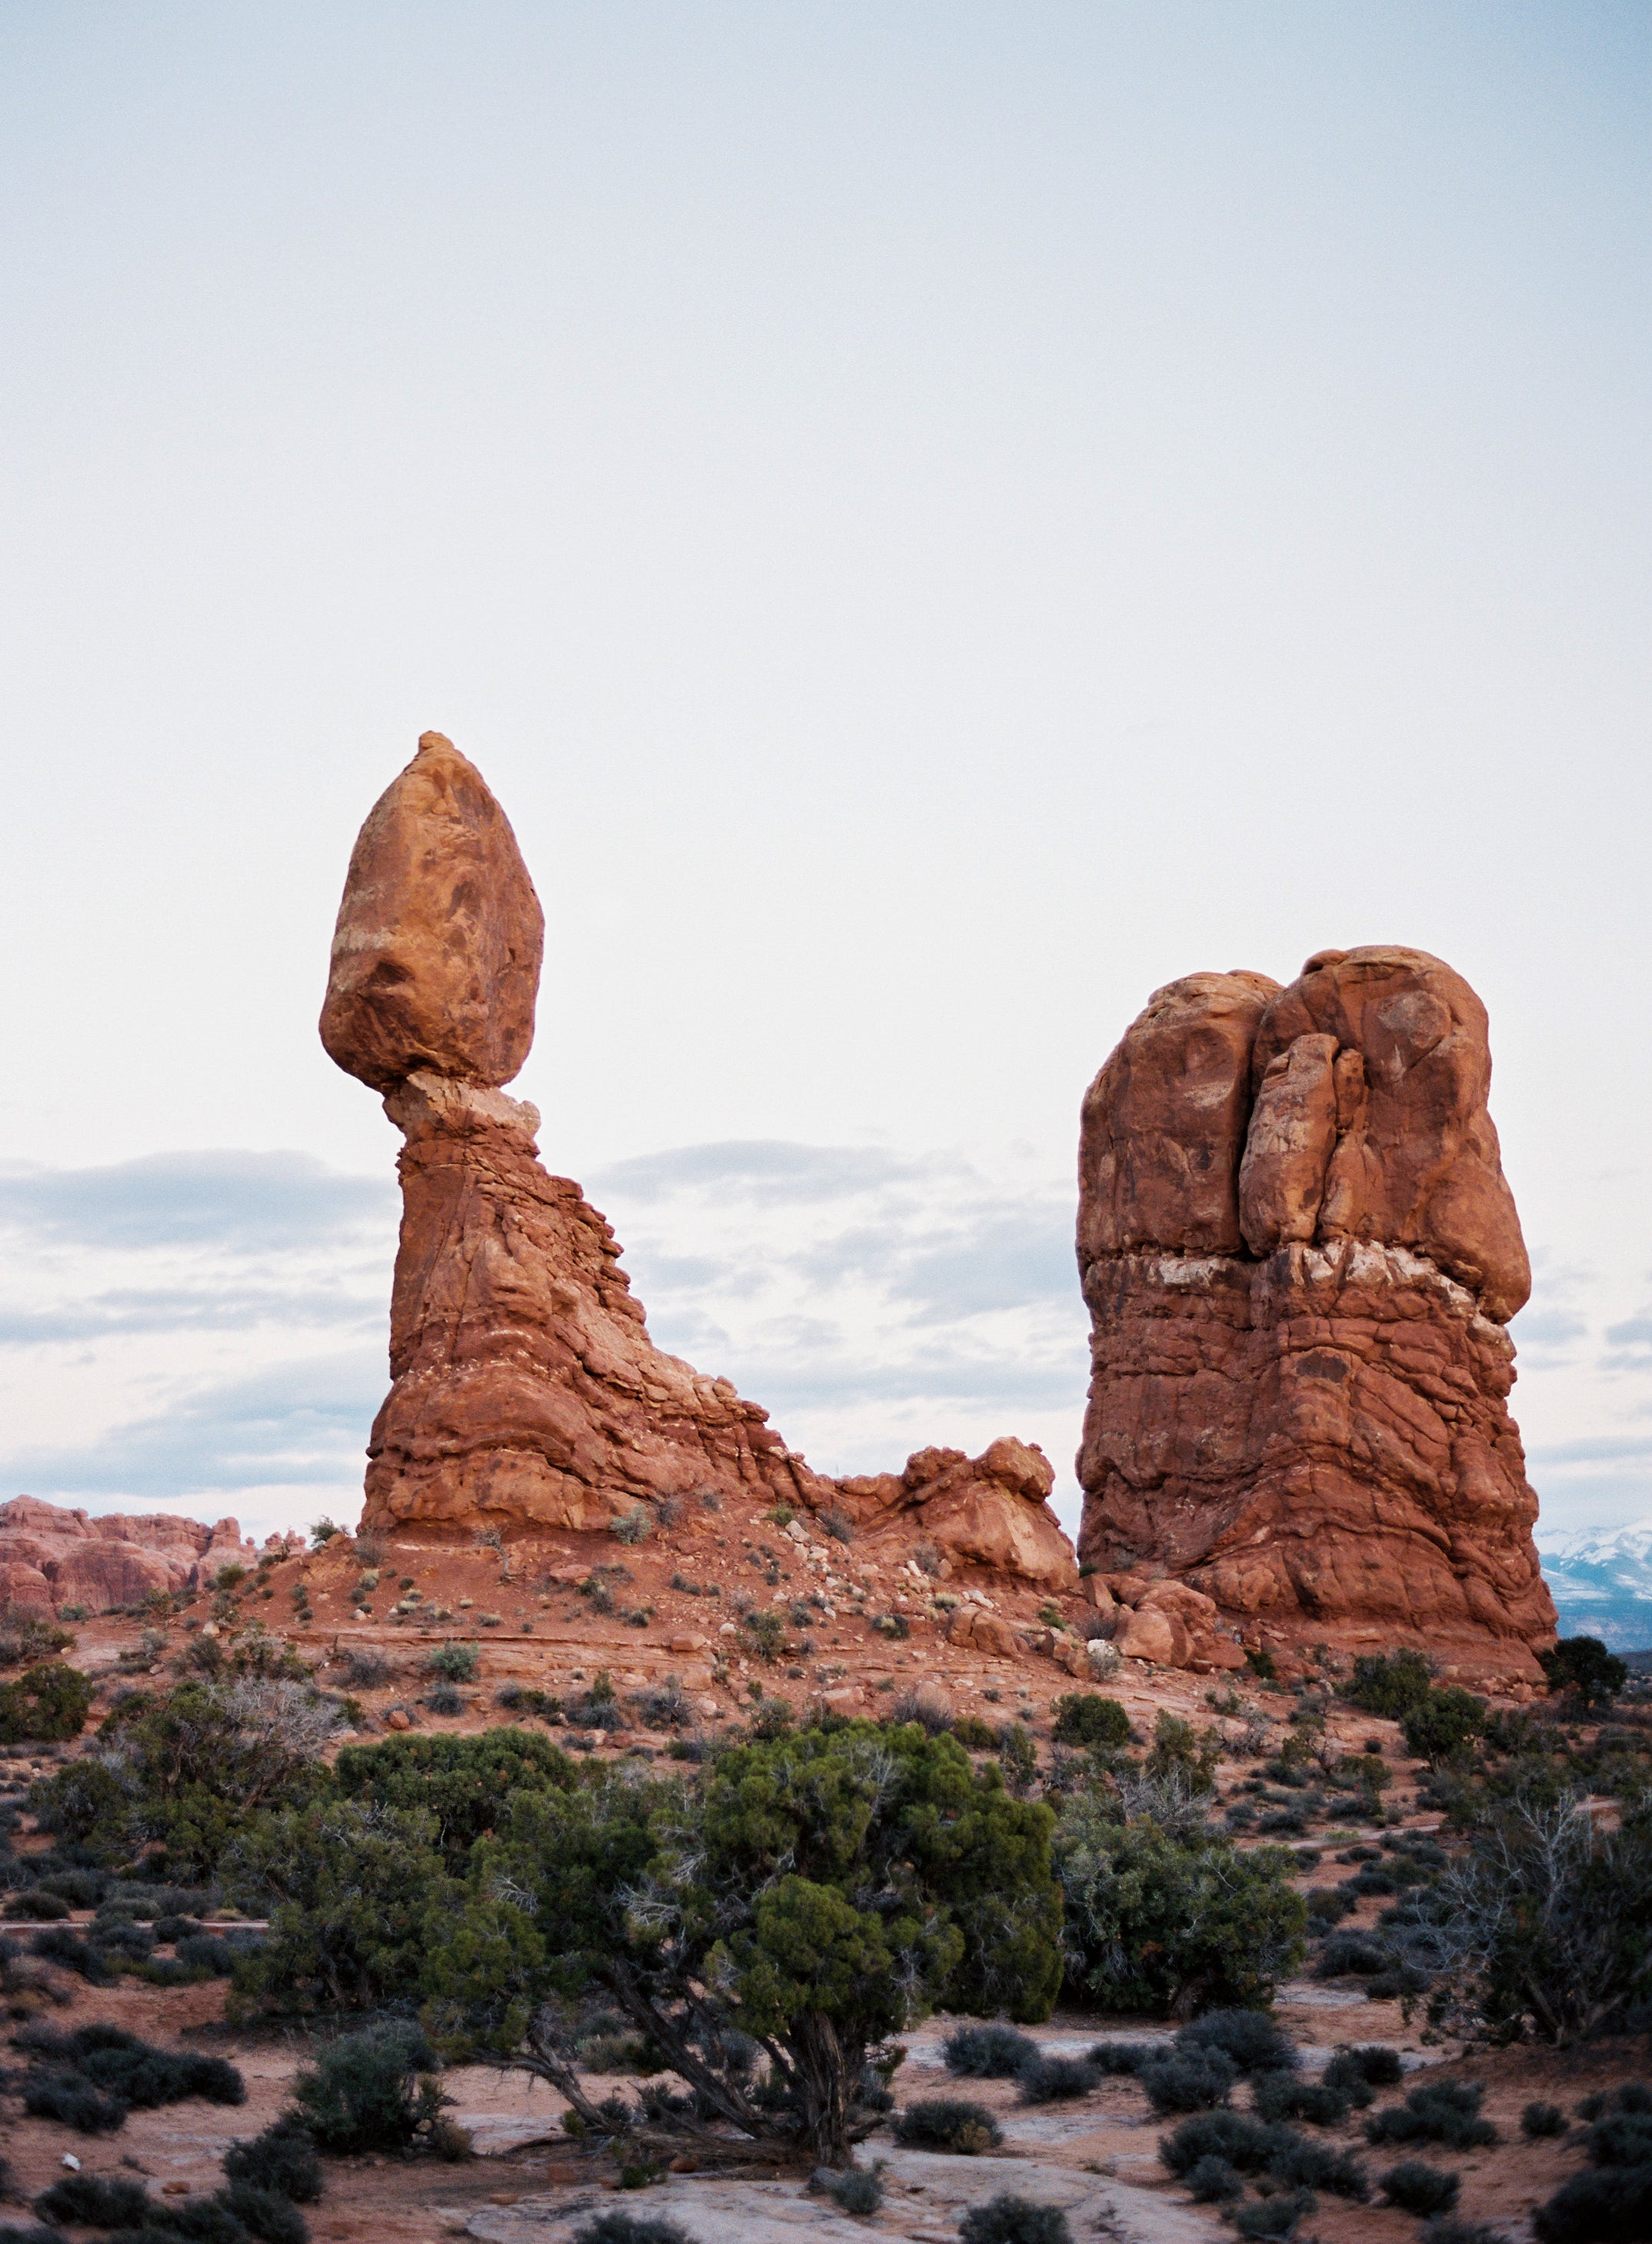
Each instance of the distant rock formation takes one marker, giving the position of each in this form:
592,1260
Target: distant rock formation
526,1392
51,1557
1299,1253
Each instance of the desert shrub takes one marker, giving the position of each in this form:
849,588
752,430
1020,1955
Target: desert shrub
1630,2095
1391,1687
263,2215
1018,1756
1582,1664
1153,1917
1113,2057
27,1635
95,2201
1621,2139
1328,1905
367,1671
1275,2216
617,2228
1607,2206
1253,2041
132,2072
859,2191
1283,2096
990,2052
455,1663
65,2096
922,1703
1538,2120
1192,2080
1244,2144
666,1706
49,1701
1355,2072
445,1700
1415,2186
373,2091
947,2123
1007,2218
1345,1954
632,1526
1213,2181
281,2160
1301,2164
462,1783
1085,1718
1435,2112
1550,1919
1441,1725
1178,1749
1048,2079
973,1734
216,1953
57,1945
44,1906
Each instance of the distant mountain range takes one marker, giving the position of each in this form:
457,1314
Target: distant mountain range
1602,1583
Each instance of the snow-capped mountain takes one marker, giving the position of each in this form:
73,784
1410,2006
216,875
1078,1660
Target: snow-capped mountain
1601,1582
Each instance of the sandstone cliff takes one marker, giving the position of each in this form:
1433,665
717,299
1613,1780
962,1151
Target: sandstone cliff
51,1557
1299,1253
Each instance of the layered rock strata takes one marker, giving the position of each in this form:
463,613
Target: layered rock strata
526,1395
1299,1253
50,1556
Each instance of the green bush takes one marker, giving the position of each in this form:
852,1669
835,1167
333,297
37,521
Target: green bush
948,2123
1435,2112
1007,2218
461,1783
617,2228
1612,2206
1052,2079
281,2160
1179,1751
1085,1717
1582,1664
1538,2121
819,1890
992,2053
1255,2042
49,1702
1242,2142
1439,1726
858,2193
1275,2216
1415,2186
373,2091
455,1663
1191,2080
1154,1918
95,2201
1213,2181
1389,1687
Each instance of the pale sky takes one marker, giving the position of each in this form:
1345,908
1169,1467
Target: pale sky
934,520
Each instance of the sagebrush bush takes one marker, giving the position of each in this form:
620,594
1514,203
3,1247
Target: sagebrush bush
1442,1724
1190,2080
47,1702
94,2076
922,1703
282,2160
1391,1685
1366,2066
948,2123
1253,2041
1435,2112
1007,2218
1049,2079
1277,2216
1306,2165
1604,2205
989,2052
1213,2181
95,2201
1242,2141
859,2191
1283,2096
1415,2187
1113,2058
455,1663
616,2228
371,2091
1538,2120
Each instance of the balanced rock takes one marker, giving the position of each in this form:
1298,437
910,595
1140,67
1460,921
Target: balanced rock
1299,1253
526,1395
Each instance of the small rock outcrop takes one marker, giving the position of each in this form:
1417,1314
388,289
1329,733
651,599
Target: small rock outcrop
1299,1253
526,1395
50,1556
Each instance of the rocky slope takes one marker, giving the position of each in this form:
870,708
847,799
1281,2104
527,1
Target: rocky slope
1299,1253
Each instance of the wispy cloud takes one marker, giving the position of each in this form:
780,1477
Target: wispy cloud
232,1201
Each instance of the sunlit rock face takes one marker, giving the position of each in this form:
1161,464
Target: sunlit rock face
1299,1253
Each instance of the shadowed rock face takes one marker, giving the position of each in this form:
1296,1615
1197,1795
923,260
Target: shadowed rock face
526,1392
1299,1252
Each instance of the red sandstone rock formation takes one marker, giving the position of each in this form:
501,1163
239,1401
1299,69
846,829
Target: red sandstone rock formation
1299,1253
51,1557
526,1394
